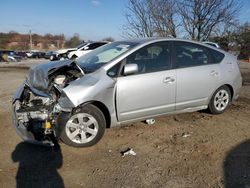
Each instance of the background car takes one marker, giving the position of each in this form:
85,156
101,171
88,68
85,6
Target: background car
51,55
37,55
22,54
85,48
10,56
62,53
212,44
29,53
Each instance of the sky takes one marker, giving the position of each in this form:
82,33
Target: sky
92,19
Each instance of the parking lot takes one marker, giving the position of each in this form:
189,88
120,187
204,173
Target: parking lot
186,150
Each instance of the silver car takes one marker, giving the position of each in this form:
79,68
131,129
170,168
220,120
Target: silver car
119,83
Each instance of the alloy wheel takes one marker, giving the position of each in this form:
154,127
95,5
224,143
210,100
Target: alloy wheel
221,100
81,128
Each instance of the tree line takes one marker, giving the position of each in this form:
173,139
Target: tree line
17,41
21,42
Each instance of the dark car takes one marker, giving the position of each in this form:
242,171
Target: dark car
51,55
9,55
38,55
22,54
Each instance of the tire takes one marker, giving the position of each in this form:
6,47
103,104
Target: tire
84,128
220,100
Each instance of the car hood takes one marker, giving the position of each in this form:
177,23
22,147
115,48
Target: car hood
38,76
62,51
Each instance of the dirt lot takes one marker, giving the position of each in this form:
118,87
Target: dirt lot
186,150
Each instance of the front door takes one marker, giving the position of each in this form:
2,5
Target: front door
151,91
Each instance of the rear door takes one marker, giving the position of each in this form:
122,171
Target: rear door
197,75
152,90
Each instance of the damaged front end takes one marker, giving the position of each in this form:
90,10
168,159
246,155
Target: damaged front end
36,105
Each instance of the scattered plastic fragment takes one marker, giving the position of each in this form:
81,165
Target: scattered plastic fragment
185,135
150,121
128,151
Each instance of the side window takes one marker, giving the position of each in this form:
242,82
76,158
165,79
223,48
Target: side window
189,54
91,47
152,58
217,57
99,44
95,45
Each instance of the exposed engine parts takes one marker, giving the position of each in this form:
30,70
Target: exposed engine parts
60,80
38,114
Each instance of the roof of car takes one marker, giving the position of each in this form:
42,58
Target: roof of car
154,39
145,41
159,39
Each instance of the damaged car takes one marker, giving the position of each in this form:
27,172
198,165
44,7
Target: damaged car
119,83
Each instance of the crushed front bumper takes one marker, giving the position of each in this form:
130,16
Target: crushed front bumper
19,126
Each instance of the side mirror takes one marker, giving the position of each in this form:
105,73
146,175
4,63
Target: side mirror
130,69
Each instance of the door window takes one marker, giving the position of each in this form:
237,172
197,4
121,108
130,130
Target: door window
152,58
189,54
217,57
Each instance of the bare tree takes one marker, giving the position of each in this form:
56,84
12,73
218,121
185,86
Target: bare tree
200,18
147,18
139,19
164,15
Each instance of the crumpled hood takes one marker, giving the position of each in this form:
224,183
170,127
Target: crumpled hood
38,76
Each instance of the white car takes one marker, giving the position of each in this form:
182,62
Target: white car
62,54
29,54
84,49
212,44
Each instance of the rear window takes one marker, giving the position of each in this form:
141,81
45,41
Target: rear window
217,57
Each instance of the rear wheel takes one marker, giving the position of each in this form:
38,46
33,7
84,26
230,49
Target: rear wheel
220,100
84,128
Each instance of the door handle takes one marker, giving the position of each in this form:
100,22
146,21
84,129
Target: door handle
168,80
214,73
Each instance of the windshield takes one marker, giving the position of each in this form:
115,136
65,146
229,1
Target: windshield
103,55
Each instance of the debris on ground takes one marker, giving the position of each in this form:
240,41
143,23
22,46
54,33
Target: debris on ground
150,121
128,151
176,118
185,135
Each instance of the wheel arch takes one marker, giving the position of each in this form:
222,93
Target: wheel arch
103,109
231,90
226,84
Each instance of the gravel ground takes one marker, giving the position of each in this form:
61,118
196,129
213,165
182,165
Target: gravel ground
186,150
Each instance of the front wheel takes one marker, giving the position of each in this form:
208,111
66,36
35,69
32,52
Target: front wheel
84,128
220,100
